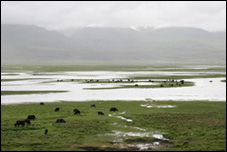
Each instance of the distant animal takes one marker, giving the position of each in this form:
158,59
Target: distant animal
76,111
100,113
41,103
57,109
60,121
93,105
31,117
161,85
72,80
18,123
136,85
211,81
27,121
113,109
46,131
182,81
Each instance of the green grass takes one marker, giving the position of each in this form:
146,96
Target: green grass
223,80
54,68
180,76
6,80
164,85
190,126
29,92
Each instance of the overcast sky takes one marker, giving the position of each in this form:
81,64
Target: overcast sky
60,15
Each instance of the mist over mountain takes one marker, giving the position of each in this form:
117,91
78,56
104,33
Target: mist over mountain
36,45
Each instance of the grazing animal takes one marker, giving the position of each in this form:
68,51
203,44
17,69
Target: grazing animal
113,109
46,131
57,109
31,117
93,105
100,113
136,85
60,121
27,121
41,103
76,111
18,123
182,81
161,85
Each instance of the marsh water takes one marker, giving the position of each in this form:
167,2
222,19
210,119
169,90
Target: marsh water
203,89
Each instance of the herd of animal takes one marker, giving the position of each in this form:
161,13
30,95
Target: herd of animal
76,112
181,82
27,120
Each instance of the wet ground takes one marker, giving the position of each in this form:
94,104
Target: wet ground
211,89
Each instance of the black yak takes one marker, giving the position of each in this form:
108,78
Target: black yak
113,109
93,105
60,121
100,113
76,111
18,123
31,117
46,131
57,109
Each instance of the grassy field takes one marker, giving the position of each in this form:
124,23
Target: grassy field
164,85
180,76
29,92
54,68
189,126
6,80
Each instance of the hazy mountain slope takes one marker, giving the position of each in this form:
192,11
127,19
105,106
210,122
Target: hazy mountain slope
164,44
23,43
33,43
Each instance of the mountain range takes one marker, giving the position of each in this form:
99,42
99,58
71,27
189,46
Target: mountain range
30,44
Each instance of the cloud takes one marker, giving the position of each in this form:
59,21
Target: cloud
61,15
